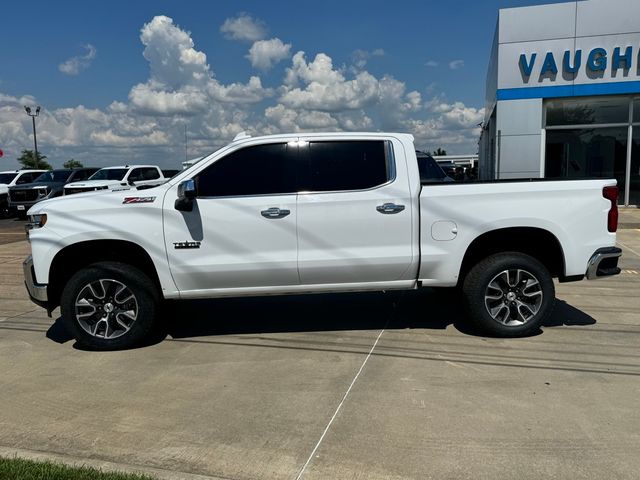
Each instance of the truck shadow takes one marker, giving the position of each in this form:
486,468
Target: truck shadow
435,309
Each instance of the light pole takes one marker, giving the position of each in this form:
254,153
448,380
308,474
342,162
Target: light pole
33,118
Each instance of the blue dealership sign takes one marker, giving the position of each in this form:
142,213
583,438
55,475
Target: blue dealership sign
598,60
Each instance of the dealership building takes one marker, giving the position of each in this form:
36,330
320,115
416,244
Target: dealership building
563,94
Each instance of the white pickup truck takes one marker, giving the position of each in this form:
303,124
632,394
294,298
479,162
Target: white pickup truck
12,178
315,213
118,178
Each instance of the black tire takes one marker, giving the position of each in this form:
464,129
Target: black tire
112,315
509,306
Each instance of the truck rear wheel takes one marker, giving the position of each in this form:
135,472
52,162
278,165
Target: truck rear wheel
109,306
509,294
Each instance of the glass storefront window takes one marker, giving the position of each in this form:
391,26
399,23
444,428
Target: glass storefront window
588,153
636,110
587,111
634,184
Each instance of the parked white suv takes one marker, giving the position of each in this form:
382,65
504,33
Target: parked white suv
11,178
118,178
316,213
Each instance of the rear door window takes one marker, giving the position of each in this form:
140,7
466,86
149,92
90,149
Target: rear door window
346,165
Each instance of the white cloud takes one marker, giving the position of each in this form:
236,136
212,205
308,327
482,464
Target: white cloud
326,89
75,65
182,82
456,64
109,138
264,54
431,64
182,90
244,27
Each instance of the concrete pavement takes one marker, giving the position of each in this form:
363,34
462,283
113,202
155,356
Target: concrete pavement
629,218
343,386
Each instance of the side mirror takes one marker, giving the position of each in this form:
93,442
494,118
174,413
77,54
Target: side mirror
186,194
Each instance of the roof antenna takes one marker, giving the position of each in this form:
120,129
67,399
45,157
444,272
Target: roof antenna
241,136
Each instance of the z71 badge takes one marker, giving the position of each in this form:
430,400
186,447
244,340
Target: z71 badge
128,200
184,245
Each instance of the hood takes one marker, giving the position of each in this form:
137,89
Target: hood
28,186
85,203
96,183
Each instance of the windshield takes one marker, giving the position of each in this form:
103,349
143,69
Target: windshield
53,176
7,177
109,174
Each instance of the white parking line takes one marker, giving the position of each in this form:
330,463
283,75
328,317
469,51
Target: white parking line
326,429
628,248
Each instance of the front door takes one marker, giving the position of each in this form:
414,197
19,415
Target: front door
241,235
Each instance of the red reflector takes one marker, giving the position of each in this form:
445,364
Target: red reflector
611,194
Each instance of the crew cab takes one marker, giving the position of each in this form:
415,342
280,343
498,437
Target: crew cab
316,213
12,178
47,185
118,178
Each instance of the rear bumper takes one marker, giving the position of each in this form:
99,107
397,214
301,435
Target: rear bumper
604,263
37,291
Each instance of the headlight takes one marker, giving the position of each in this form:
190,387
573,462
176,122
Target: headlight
36,221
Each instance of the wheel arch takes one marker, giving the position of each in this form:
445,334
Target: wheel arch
74,257
538,243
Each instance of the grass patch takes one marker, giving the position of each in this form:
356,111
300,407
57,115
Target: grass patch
19,469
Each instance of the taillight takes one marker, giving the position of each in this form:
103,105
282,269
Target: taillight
611,194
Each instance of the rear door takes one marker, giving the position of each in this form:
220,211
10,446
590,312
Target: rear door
354,213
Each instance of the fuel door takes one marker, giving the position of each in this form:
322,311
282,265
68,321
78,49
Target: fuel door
444,230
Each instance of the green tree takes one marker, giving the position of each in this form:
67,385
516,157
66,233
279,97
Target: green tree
28,160
73,163
440,152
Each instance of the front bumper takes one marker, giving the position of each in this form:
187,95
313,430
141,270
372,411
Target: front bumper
21,208
37,291
604,263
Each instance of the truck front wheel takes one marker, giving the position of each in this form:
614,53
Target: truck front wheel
509,294
109,306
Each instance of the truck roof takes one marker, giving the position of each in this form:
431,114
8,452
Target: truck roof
128,166
241,137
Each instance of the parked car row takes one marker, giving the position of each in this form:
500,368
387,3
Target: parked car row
21,189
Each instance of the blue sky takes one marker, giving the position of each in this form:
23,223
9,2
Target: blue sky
437,49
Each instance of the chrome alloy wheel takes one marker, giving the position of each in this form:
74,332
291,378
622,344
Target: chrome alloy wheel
513,297
106,308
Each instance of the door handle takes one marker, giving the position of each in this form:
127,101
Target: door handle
390,208
275,213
